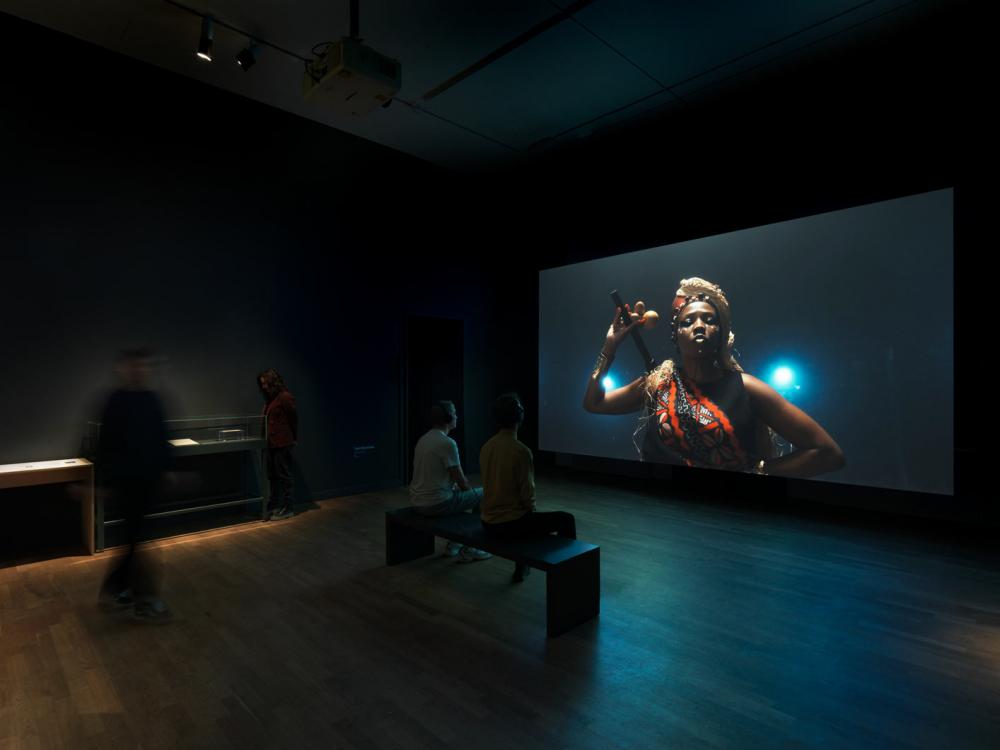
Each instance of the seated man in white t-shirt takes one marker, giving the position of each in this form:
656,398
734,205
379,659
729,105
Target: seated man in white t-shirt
439,487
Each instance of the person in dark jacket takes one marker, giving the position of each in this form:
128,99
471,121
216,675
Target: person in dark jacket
282,436
132,458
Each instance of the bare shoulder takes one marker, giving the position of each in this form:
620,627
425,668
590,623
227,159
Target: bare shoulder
756,387
762,396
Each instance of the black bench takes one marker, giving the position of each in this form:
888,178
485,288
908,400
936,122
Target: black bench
572,567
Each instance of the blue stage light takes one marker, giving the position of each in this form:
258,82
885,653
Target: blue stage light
783,377
786,380
608,383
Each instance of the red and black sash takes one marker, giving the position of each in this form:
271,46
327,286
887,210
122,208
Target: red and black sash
708,426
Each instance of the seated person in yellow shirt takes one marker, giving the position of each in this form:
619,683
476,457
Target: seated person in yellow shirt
508,506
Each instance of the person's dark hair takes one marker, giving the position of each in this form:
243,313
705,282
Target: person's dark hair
272,379
508,411
441,412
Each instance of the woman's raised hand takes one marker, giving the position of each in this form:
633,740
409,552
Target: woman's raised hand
619,330
638,316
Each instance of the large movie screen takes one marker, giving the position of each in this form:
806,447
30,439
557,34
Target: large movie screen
816,348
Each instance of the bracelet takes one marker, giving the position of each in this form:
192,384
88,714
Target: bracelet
603,360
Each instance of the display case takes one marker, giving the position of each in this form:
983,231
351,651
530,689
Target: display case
64,470
243,437
197,435
200,435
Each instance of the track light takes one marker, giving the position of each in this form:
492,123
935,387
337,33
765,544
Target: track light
205,42
248,56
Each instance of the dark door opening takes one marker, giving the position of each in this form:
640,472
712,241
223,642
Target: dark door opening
434,355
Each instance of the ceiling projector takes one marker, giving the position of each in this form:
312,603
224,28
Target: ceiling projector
351,77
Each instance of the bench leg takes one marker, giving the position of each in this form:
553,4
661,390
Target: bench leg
573,593
403,544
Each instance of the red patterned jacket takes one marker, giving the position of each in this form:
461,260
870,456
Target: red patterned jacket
282,421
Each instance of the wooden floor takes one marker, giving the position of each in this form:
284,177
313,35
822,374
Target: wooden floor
720,628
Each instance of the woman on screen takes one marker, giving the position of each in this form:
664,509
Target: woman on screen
703,410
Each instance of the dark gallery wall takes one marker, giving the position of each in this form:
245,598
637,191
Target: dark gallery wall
143,208
897,111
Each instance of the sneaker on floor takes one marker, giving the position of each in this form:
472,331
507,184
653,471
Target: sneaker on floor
152,610
452,549
520,572
282,513
471,554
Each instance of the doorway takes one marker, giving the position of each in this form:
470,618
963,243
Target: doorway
433,371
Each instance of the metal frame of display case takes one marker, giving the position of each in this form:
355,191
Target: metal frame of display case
253,446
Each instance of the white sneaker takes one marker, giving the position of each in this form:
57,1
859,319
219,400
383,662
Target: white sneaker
452,549
471,554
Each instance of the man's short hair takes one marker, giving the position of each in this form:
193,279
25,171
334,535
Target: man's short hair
508,411
441,412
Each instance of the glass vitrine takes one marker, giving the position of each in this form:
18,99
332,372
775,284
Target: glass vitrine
217,467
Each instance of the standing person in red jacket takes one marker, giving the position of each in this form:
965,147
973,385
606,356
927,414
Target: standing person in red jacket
282,434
